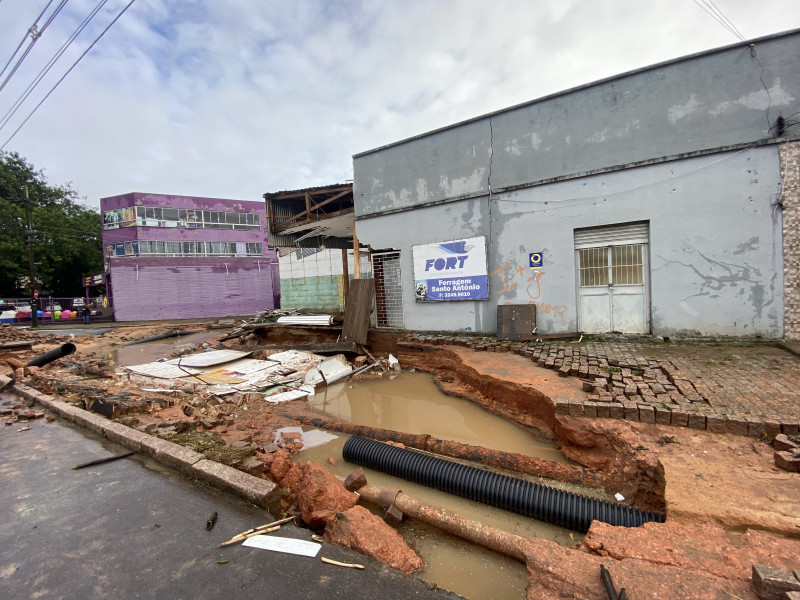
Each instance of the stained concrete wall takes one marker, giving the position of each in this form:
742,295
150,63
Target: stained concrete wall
697,104
678,144
715,245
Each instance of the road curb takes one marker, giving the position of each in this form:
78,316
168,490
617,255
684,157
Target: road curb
174,456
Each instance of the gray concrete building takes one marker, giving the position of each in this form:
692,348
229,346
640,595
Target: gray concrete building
663,200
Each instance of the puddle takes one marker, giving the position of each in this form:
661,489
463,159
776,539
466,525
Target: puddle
411,403
451,563
151,351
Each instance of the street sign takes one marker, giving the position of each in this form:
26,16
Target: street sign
535,260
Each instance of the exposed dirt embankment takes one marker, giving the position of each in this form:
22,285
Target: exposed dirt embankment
511,386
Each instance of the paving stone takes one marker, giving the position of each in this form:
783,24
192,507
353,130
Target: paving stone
715,424
631,411
680,418
787,461
755,427
617,410
772,583
736,425
790,428
590,409
575,409
562,407
647,414
697,421
603,410
663,415
771,428
783,442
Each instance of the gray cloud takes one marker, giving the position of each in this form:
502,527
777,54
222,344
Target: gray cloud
237,98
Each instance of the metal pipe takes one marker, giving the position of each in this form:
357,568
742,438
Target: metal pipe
54,354
451,522
164,336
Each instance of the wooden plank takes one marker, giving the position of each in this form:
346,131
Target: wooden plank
357,311
332,348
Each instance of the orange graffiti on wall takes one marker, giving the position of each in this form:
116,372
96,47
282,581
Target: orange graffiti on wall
534,288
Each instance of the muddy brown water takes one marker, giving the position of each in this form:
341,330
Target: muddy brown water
411,402
140,354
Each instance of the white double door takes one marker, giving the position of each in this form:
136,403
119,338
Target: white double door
612,265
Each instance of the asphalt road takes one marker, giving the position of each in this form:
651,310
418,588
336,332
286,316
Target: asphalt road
133,529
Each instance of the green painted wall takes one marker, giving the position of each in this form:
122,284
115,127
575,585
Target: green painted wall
323,293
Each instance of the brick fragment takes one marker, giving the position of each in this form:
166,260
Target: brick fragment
355,480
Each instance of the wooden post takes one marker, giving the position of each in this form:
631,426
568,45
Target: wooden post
345,276
356,254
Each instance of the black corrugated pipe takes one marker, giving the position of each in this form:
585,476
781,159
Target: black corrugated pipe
52,355
547,504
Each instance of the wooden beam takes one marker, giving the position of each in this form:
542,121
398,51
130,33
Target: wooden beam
356,254
345,276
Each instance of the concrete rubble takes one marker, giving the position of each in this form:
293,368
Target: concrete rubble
233,414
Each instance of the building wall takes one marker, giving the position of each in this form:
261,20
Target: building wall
145,288
315,281
714,273
697,104
688,146
170,234
161,288
790,199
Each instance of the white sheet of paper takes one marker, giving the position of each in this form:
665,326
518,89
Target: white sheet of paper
287,545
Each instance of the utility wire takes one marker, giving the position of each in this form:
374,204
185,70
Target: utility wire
25,37
52,89
709,7
16,106
35,35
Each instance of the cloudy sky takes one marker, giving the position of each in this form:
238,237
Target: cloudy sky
235,98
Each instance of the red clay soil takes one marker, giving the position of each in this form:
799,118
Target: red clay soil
710,485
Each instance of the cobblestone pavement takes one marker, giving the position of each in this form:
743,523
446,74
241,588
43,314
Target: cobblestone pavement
744,389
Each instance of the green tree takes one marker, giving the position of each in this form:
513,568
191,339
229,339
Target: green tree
67,235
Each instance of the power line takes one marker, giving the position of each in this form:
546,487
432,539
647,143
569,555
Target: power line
711,9
35,35
25,37
18,104
52,89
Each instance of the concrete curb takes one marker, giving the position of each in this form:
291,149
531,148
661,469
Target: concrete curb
184,460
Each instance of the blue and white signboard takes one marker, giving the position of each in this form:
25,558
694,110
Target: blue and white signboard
451,271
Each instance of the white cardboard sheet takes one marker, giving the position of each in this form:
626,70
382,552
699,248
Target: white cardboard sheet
287,545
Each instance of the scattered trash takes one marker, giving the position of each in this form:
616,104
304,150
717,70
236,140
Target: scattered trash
24,429
223,561
619,497
212,520
330,561
287,545
269,527
101,461
310,439
394,364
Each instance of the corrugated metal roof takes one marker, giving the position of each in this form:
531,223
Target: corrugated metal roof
318,188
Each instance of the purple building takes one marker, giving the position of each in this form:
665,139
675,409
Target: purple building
181,257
